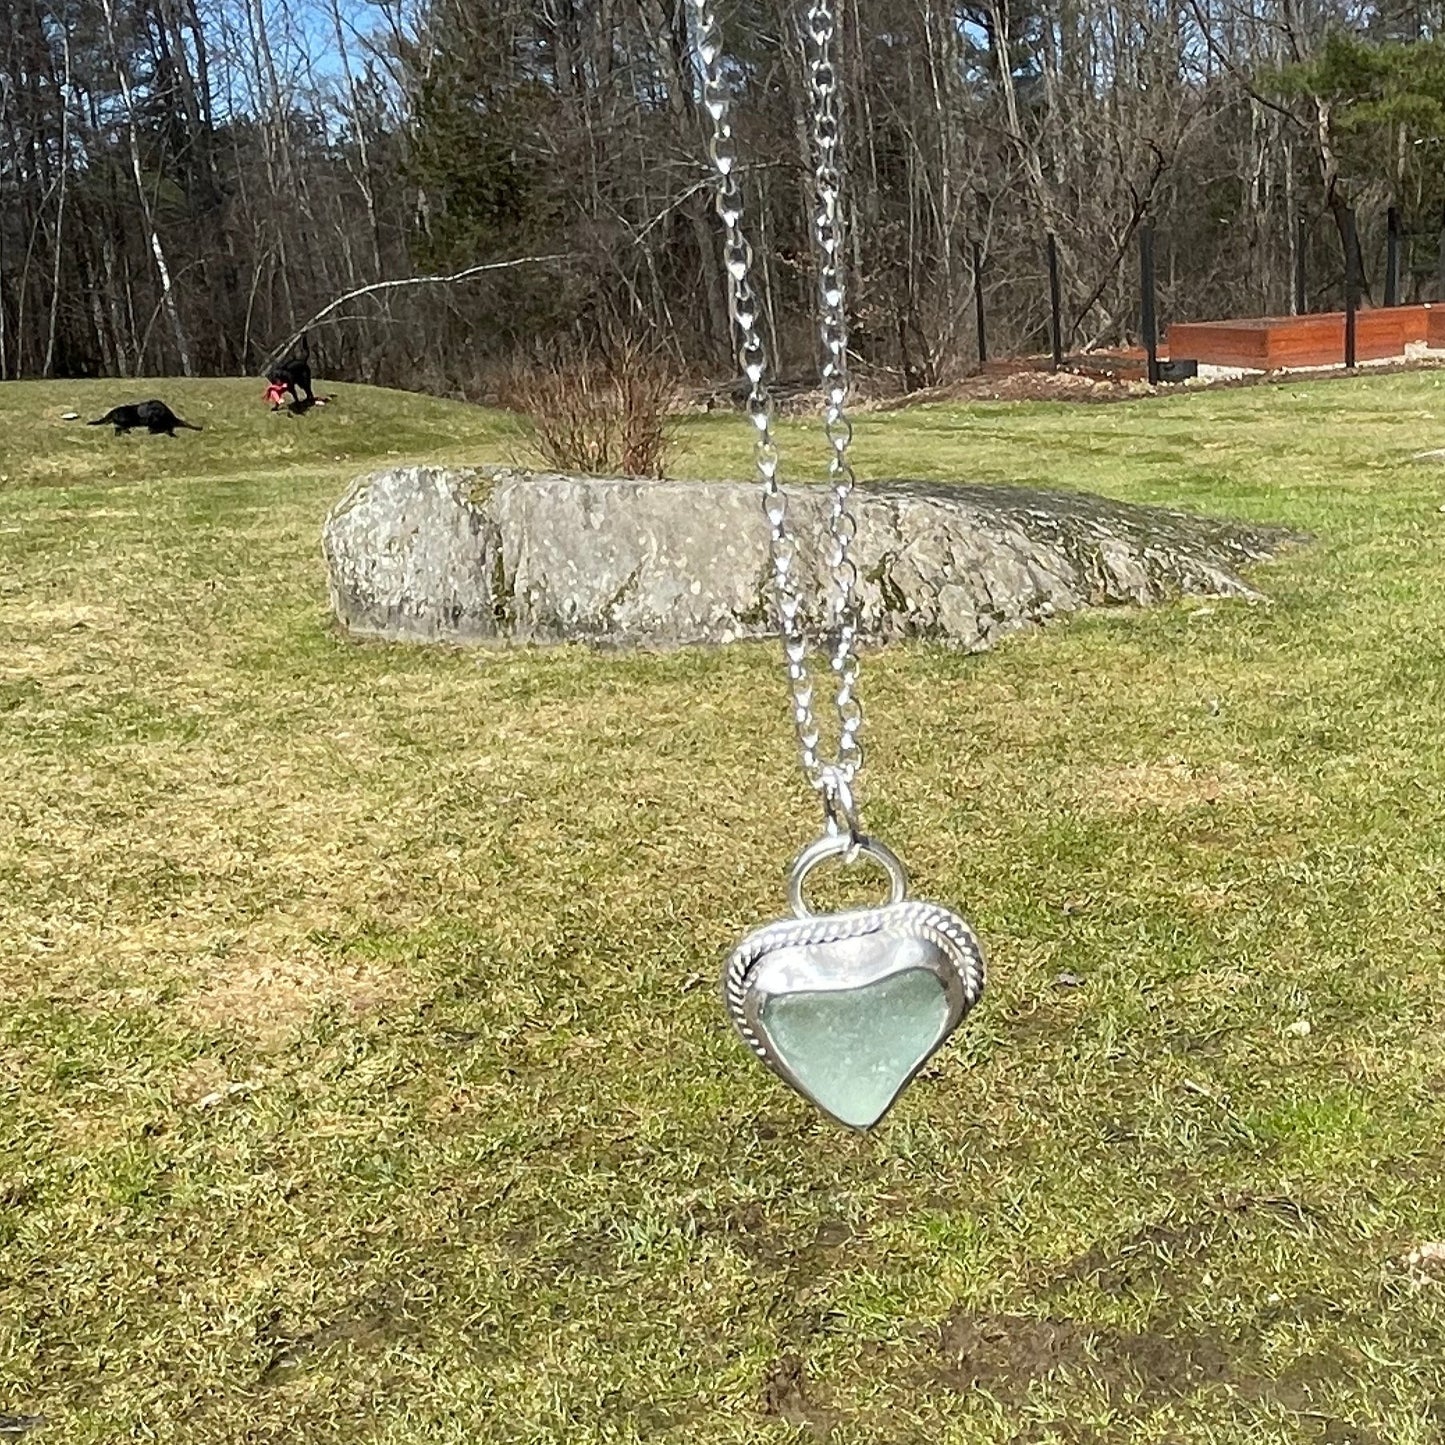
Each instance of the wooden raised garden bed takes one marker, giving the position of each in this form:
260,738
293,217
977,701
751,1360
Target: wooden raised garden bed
1270,342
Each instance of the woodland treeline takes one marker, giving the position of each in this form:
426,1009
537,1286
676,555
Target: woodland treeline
183,183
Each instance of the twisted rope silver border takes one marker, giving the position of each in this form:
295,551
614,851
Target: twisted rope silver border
924,920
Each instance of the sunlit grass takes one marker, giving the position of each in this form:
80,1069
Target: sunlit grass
362,1075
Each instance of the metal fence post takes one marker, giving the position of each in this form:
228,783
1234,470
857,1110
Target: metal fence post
1392,257
1351,251
978,303
1056,326
1440,262
1148,321
1301,237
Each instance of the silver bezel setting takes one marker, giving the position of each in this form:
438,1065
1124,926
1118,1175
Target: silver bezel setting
957,962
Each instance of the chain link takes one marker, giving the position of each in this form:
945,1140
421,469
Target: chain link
834,779
833,333
752,357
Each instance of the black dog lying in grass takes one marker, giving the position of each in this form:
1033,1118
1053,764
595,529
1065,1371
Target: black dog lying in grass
294,374
155,416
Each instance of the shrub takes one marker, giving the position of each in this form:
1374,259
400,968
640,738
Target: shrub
598,413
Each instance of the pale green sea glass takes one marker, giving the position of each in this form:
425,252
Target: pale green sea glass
852,1049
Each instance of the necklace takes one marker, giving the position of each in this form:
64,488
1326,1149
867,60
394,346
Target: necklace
848,1006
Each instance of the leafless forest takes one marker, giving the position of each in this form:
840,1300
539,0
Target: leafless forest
184,183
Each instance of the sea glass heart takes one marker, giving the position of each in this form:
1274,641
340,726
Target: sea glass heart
847,1007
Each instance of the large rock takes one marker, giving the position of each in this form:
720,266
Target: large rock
469,554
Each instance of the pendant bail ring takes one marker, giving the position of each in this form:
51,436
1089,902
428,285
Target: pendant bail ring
840,845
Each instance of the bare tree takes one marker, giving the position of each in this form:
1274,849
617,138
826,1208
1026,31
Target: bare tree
163,271
182,185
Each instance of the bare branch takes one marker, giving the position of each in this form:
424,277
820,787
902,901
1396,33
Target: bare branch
465,274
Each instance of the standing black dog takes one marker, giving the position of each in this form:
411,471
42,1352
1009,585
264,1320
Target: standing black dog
294,373
304,404
155,416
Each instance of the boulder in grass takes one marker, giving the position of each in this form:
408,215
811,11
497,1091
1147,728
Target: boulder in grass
497,553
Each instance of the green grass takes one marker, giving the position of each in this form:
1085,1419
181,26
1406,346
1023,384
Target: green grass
362,1076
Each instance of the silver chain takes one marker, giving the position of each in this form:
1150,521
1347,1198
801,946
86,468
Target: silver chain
833,332
833,779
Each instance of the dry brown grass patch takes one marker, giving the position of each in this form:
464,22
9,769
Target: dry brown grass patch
1173,785
271,995
1215,983
1206,898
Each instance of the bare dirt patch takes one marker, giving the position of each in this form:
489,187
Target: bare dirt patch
1025,384
786,1396
1097,377
364,1329
1006,1353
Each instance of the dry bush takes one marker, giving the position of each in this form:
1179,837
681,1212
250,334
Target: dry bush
598,413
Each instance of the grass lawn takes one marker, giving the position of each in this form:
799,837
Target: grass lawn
362,1074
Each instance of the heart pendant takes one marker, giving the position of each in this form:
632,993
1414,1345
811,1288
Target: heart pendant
848,1007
